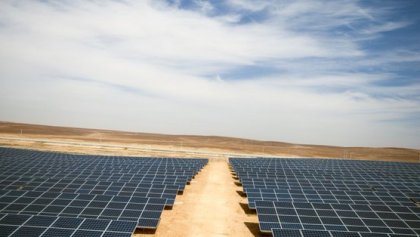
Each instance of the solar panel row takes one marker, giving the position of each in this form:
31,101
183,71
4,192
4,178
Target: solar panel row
321,233
84,189
319,197
27,225
93,187
330,196
333,185
138,209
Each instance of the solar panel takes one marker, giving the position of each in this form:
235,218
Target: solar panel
84,205
322,233
28,225
326,217
318,197
97,187
83,195
329,196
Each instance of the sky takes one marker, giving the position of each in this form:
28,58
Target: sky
312,72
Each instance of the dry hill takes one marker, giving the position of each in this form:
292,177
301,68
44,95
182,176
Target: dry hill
130,143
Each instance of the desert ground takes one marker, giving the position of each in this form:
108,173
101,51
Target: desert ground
212,204
107,142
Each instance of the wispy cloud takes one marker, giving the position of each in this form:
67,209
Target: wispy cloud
299,71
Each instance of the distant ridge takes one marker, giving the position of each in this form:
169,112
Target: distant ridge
212,143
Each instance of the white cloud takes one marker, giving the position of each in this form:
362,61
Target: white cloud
154,67
250,5
205,6
388,26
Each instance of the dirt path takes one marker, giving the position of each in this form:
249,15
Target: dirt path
209,207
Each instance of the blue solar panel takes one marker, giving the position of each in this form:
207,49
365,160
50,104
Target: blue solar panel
87,233
7,230
29,231
53,232
26,225
71,223
83,195
14,219
318,197
121,226
41,221
321,233
90,224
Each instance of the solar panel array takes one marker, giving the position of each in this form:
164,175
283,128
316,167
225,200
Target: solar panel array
327,197
55,194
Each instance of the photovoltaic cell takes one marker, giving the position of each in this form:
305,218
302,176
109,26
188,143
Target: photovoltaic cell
62,226
318,197
84,195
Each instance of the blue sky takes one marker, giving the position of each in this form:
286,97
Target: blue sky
319,72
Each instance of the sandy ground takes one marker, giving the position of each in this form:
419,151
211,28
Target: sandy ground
210,206
147,144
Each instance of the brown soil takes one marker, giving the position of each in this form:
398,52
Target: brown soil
210,206
127,143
